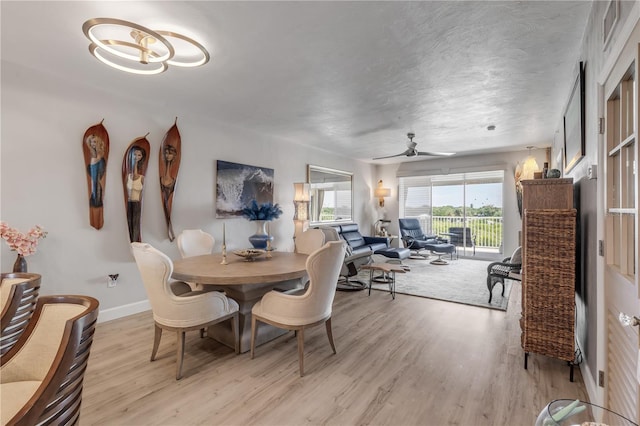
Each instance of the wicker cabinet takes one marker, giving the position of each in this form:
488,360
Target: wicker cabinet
548,269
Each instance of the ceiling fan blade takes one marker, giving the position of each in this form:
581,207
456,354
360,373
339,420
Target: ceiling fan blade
436,154
391,156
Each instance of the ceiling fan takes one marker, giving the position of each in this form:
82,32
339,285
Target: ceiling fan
411,150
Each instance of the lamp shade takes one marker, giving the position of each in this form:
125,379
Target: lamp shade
301,192
529,167
382,192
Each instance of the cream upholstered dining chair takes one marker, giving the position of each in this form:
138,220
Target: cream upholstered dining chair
309,241
313,307
175,307
18,297
305,243
41,376
196,242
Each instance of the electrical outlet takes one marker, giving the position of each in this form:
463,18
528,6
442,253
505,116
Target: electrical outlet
112,280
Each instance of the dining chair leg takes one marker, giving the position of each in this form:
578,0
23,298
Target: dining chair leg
180,355
330,334
202,333
156,342
301,350
253,334
235,328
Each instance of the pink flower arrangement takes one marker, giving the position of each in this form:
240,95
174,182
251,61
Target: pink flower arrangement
24,244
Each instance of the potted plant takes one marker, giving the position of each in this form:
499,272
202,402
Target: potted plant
24,244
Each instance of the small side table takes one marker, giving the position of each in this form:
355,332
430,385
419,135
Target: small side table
388,269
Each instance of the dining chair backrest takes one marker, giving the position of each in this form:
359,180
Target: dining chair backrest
42,375
18,297
169,308
195,242
323,267
309,241
155,269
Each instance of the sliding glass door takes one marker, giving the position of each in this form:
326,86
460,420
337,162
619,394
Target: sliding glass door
465,208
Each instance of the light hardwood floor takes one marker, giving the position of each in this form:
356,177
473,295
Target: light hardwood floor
410,361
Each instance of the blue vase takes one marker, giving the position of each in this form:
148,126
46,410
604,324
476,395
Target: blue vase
260,238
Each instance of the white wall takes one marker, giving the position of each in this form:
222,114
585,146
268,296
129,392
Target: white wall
44,182
590,322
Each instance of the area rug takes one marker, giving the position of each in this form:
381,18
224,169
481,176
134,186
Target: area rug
461,281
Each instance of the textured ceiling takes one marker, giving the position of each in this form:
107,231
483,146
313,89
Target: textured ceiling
350,77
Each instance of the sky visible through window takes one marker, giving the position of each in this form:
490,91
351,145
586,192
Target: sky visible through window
452,195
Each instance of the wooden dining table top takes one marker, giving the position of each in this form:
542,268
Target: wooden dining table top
207,269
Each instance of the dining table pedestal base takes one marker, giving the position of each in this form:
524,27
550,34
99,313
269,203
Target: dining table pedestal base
246,296
246,283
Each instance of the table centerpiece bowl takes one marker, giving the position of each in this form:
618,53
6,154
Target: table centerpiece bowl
249,254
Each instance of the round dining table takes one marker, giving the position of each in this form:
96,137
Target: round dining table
245,282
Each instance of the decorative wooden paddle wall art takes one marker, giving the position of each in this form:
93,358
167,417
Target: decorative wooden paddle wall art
95,147
134,167
169,160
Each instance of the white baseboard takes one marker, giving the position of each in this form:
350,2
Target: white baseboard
595,393
123,311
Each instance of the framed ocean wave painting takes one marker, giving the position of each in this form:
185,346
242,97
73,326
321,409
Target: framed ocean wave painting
238,184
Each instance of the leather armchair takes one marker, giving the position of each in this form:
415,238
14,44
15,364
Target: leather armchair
359,243
41,376
352,261
414,238
18,297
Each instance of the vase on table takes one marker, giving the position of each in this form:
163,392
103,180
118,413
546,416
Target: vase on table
260,238
20,265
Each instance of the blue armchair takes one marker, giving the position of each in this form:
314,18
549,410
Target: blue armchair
414,239
359,251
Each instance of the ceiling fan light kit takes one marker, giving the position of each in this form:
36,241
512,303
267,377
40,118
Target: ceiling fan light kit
146,52
411,150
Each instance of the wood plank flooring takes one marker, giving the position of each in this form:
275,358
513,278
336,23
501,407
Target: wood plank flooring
410,361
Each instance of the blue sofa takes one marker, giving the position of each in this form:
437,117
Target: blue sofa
359,243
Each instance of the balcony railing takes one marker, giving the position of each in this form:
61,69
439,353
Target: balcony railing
486,230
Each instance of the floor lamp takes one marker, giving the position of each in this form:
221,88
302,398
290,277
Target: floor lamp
301,202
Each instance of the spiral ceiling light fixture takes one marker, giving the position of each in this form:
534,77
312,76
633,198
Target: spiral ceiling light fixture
134,48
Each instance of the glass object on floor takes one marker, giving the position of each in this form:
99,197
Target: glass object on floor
567,412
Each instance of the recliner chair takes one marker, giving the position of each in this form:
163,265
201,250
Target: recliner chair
414,238
352,261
